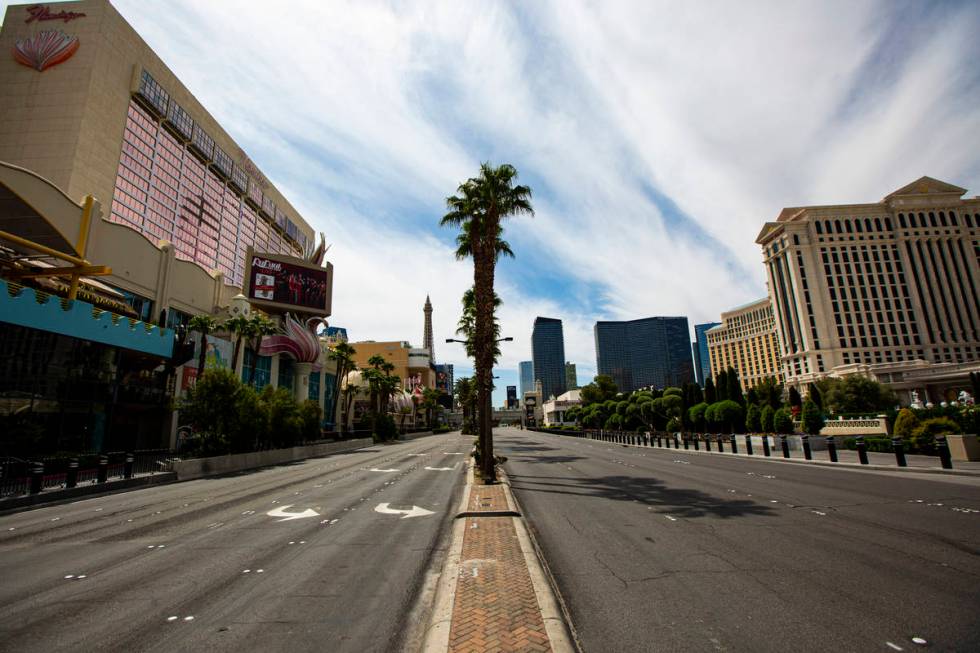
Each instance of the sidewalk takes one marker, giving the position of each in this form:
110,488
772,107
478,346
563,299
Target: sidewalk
847,459
493,593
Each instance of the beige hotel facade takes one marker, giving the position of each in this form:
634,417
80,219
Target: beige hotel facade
746,341
887,289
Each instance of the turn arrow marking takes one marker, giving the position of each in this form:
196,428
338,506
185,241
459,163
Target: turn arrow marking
281,512
414,512
440,469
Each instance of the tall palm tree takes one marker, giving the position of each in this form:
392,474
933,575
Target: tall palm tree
204,324
478,208
343,354
467,323
238,326
258,326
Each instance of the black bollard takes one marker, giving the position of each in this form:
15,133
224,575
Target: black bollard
862,450
806,447
685,443
832,448
697,443
707,443
734,444
942,448
103,469
765,446
784,443
37,477
899,448
71,479
128,469
677,444
748,444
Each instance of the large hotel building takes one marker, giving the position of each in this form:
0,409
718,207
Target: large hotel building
888,289
746,341
112,120
108,159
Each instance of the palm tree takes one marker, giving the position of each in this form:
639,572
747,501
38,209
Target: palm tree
238,326
343,354
478,208
204,324
258,327
430,399
467,323
464,390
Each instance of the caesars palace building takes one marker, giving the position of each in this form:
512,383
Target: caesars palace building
886,289
109,164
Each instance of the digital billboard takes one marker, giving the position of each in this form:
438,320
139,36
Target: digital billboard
512,396
287,283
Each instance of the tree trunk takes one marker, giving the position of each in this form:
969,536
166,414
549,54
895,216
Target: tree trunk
234,357
204,351
483,269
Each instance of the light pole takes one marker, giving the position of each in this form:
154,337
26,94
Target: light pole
486,431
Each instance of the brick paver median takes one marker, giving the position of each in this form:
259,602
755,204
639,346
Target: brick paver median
495,607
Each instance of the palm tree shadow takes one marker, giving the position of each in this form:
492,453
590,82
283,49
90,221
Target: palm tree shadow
678,502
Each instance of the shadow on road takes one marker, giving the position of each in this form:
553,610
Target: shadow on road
677,502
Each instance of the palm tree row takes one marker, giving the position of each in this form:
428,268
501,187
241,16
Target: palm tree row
477,209
248,330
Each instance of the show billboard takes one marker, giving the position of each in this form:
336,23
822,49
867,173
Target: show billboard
512,396
286,283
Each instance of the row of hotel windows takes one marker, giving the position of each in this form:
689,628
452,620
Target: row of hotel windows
158,100
911,220
164,192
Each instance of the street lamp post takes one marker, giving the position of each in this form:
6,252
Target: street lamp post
486,431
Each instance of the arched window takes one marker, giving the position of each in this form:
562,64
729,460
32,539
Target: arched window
912,222
847,225
816,225
838,229
888,224
932,219
867,224
952,219
942,218
969,220
901,220
857,226
827,227
877,224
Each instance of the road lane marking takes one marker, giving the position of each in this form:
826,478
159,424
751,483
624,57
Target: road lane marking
671,518
287,516
919,641
895,647
439,469
375,469
415,511
817,512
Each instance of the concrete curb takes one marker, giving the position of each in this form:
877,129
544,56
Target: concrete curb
560,633
436,638
799,461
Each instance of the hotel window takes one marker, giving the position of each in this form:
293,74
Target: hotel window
153,93
180,120
239,179
202,143
222,162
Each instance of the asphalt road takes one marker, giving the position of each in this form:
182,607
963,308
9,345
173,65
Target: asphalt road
203,565
656,550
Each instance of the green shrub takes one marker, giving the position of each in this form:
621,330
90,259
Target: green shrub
905,424
285,423
753,419
725,416
310,415
811,418
674,425
766,419
696,415
782,421
441,429
924,437
385,428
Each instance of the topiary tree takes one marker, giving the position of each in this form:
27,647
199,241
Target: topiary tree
905,424
857,394
782,421
766,419
696,415
614,423
795,400
674,425
812,418
710,396
727,415
924,436
753,419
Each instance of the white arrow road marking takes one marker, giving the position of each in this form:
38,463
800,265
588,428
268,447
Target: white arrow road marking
414,512
439,469
375,469
281,512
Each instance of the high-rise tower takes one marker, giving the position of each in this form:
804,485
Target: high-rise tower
427,342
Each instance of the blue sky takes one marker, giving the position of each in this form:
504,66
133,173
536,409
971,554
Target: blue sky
657,137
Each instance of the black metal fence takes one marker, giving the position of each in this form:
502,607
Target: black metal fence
18,476
717,442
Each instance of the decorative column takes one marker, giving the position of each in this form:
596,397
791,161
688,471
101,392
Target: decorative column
301,381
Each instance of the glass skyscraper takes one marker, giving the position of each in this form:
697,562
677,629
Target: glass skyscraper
701,359
527,377
548,352
654,351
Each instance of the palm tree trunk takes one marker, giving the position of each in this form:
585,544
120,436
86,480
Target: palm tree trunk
234,357
204,350
483,270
